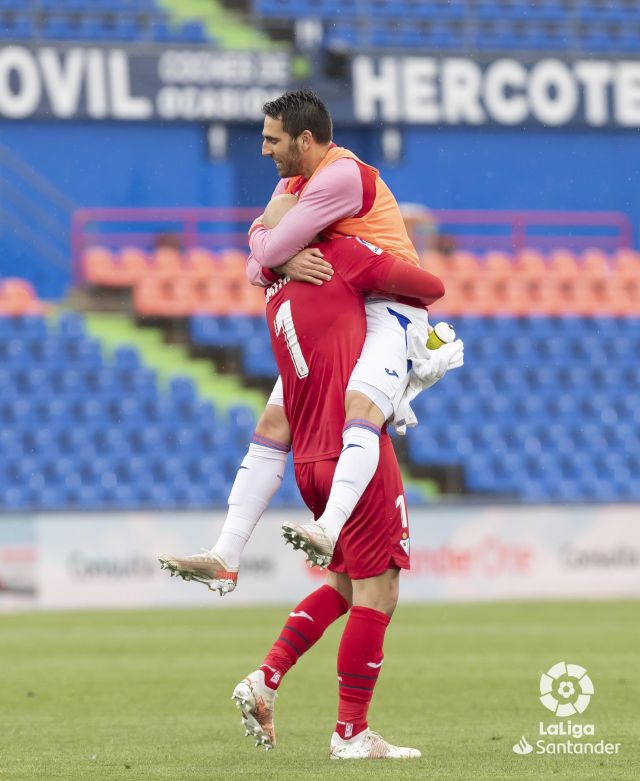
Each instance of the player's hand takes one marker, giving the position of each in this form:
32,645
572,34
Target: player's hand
307,266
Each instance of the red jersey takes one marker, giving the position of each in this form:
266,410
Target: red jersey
317,333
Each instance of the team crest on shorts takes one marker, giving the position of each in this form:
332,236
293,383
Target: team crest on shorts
369,245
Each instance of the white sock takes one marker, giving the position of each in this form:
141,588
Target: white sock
356,466
258,478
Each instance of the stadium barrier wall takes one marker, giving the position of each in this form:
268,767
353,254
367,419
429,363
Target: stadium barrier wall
458,553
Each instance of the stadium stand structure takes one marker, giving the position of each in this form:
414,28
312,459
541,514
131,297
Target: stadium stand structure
153,21
580,25
96,20
167,283
546,407
18,298
81,429
462,25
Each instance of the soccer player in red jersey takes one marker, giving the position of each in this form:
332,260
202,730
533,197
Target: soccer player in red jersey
317,336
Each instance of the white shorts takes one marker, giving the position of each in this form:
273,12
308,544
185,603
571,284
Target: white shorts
277,394
382,366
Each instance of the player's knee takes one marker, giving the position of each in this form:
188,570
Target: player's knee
383,603
389,602
357,405
379,593
342,584
273,424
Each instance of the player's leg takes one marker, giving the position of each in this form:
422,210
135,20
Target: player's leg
372,548
256,694
380,372
358,460
258,478
360,658
304,626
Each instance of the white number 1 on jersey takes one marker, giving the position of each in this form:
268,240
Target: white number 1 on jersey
284,323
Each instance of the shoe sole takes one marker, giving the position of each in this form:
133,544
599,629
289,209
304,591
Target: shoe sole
222,586
245,702
352,757
300,542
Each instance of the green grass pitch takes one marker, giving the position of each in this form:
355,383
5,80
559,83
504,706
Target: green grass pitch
145,695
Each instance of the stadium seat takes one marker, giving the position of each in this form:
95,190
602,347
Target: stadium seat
99,266
166,261
17,297
564,265
464,265
133,267
80,430
200,264
530,263
595,263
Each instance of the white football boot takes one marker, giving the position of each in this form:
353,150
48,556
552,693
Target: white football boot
205,567
256,701
312,539
369,745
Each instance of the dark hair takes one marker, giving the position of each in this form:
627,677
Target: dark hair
301,110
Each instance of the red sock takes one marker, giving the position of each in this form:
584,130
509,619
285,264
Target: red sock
359,660
304,627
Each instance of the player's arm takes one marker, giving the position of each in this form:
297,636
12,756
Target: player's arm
334,193
385,274
254,269
404,279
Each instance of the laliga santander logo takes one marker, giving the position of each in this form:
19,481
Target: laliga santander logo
566,689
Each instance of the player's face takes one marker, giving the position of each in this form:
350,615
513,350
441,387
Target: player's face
281,148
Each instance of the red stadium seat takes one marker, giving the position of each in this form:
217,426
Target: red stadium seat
166,260
462,264
147,297
17,297
179,297
434,263
200,263
231,265
581,296
546,296
530,263
627,263
480,297
620,296
595,263
450,304
212,297
517,296
250,301
563,265
498,265
134,266
98,266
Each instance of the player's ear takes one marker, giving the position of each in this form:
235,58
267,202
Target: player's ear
306,138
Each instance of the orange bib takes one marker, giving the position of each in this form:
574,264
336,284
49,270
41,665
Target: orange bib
379,221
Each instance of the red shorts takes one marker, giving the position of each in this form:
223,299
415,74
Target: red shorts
376,536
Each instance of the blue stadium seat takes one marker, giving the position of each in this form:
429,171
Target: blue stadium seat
193,32
18,28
